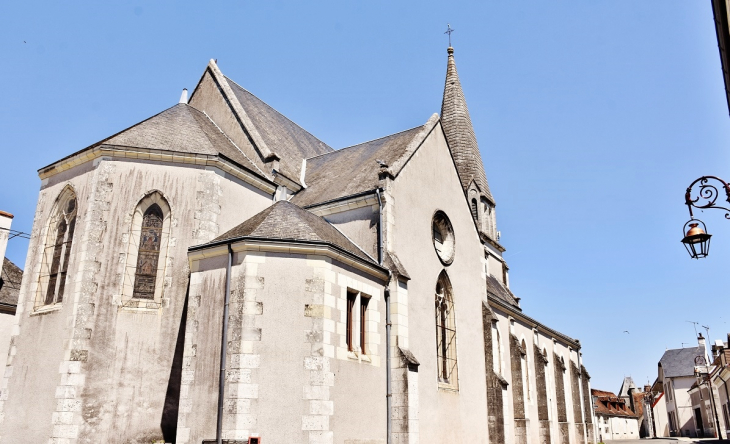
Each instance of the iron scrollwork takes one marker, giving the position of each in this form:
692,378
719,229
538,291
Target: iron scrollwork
707,194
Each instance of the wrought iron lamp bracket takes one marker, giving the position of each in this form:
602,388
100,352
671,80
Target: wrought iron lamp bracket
707,194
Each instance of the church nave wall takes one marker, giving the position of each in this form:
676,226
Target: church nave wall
108,356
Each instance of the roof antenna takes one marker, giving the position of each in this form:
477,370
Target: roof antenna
694,324
184,96
449,31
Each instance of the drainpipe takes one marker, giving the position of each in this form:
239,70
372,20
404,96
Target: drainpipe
224,350
388,388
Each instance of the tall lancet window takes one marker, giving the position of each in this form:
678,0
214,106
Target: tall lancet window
446,333
148,257
474,210
57,250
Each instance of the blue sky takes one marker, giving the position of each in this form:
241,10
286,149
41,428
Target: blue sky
592,117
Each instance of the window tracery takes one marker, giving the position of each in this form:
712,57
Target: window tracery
57,249
143,279
445,333
149,253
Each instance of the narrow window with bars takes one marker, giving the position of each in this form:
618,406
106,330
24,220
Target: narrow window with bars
351,297
363,323
148,256
445,333
356,325
57,250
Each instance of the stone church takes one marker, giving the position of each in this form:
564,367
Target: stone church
216,269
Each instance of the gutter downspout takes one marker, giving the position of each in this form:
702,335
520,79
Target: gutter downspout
388,388
224,350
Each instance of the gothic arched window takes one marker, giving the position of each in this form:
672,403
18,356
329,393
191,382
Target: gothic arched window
148,254
57,249
474,210
445,332
144,274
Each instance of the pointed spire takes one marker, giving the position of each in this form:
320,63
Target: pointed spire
460,133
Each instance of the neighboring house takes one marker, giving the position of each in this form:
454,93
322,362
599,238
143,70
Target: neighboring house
720,377
221,211
704,420
644,417
614,417
676,376
10,278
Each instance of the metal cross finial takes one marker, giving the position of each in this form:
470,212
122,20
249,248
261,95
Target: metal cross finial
449,31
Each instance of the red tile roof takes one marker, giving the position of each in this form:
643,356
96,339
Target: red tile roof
608,404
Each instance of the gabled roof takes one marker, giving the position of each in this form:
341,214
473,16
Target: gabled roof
496,289
12,277
354,170
460,132
680,361
285,221
608,404
288,140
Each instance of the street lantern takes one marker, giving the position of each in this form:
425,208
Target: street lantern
696,240
703,194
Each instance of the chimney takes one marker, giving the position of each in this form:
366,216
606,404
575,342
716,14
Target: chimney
5,220
184,96
631,399
701,341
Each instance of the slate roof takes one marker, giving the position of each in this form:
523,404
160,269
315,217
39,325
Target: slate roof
394,264
286,221
351,170
184,129
12,276
460,132
287,139
626,385
496,289
181,129
680,361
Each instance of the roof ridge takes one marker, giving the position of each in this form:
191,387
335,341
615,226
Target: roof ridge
282,114
363,143
230,140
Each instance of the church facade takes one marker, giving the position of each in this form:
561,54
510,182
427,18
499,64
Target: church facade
218,269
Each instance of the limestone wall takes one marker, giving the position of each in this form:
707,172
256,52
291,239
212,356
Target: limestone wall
426,184
107,373
289,376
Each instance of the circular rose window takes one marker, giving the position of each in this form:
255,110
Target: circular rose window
443,237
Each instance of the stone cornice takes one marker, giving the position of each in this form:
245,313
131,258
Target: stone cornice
146,154
524,319
204,251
